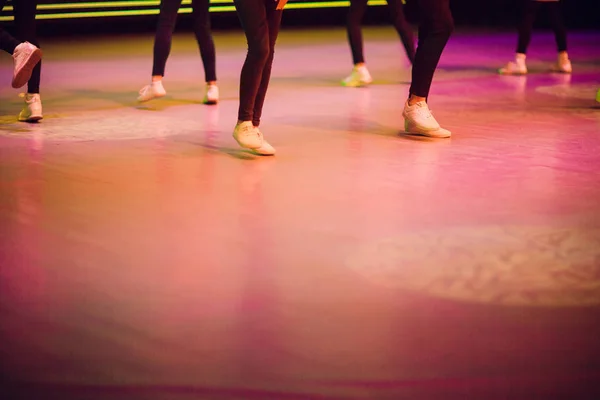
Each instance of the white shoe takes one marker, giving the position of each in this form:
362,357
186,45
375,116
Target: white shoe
418,120
517,67
32,111
212,94
247,135
151,91
563,64
360,76
26,57
266,149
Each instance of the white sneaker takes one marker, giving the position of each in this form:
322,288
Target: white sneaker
518,67
212,94
418,120
360,76
32,111
151,91
266,149
563,64
247,135
26,57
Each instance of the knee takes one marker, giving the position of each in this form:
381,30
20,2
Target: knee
444,27
447,25
166,23
27,33
260,50
203,34
271,55
439,21
353,20
202,25
31,38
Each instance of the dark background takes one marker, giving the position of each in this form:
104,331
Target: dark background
490,14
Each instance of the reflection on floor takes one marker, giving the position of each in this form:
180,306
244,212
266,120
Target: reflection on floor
144,255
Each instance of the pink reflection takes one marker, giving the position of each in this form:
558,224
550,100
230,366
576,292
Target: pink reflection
259,314
24,279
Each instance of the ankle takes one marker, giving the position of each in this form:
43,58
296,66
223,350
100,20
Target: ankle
156,78
412,100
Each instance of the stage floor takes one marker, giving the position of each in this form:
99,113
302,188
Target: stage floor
143,255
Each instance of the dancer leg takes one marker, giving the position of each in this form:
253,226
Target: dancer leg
529,9
563,64
360,74
403,28
201,15
435,29
25,12
167,18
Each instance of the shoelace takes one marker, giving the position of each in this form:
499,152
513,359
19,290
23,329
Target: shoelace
248,131
144,89
32,100
425,112
212,91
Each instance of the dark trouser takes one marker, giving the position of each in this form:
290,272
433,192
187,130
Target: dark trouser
7,41
355,15
164,34
261,22
24,13
530,9
435,29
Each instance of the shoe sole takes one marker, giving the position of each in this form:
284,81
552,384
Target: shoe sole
24,74
32,119
512,73
210,102
246,146
258,153
431,134
559,71
436,134
362,84
152,98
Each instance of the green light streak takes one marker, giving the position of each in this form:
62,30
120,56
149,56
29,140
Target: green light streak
155,11
111,4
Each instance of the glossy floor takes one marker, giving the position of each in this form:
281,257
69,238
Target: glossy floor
144,255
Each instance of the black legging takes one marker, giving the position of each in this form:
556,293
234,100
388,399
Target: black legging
7,41
24,12
529,11
355,15
164,34
261,22
435,29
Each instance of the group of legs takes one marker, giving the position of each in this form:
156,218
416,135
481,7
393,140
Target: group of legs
261,21
529,9
528,13
434,30
27,57
167,19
